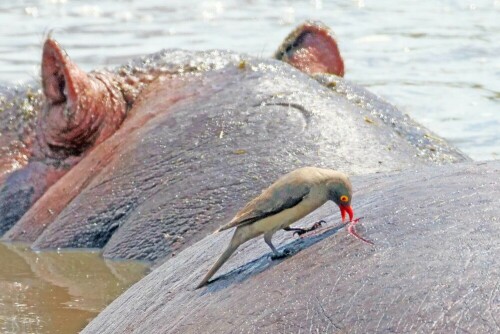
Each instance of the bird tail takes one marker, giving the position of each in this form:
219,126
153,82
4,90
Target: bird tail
222,228
223,258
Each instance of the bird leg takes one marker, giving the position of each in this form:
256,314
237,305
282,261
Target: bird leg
300,231
276,255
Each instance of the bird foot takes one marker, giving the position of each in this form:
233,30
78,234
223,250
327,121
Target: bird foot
301,231
280,255
355,221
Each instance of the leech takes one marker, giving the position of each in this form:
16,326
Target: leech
351,229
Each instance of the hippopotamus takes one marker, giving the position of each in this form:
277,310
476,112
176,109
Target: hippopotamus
435,267
146,159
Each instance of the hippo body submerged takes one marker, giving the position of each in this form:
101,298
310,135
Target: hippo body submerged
196,135
434,268
196,145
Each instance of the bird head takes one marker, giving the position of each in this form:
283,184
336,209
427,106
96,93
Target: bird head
345,206
341,194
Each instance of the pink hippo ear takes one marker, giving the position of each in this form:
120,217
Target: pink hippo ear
59,74
312,49
81,109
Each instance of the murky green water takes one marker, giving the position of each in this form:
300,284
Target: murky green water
58,292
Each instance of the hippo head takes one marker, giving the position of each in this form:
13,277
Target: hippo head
81,110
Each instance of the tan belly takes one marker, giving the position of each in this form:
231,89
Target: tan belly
280,220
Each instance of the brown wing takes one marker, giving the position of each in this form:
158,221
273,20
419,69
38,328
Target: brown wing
283,194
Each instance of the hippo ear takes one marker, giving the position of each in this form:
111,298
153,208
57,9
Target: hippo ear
312,49
59,74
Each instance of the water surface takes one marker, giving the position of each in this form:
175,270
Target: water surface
436,60
58,292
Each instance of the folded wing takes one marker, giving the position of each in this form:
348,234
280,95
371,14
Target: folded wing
284,194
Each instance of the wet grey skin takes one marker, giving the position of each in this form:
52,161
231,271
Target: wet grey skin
164,188
435,267
203,132
290,198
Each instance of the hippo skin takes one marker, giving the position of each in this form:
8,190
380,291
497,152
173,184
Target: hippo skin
80,110
144,160
196,135
198,143
435,267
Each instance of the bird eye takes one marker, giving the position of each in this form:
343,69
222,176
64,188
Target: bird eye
344,198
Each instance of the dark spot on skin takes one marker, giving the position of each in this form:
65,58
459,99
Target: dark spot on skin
68,151
14,202
297,42
291,47
331,84
242,65
62,84
101,238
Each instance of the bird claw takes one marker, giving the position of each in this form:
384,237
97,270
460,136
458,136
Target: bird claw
315,226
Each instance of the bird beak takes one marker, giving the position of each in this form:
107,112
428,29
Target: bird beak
344,209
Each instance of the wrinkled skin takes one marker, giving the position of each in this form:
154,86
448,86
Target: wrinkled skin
434,268
177,142
80,110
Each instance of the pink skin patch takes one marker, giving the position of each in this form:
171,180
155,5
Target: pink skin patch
312,49
82,109
318,53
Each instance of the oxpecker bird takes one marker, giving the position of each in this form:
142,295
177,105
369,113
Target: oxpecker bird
287,200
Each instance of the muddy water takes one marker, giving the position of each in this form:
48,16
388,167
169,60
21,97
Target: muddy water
58,292
436,60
